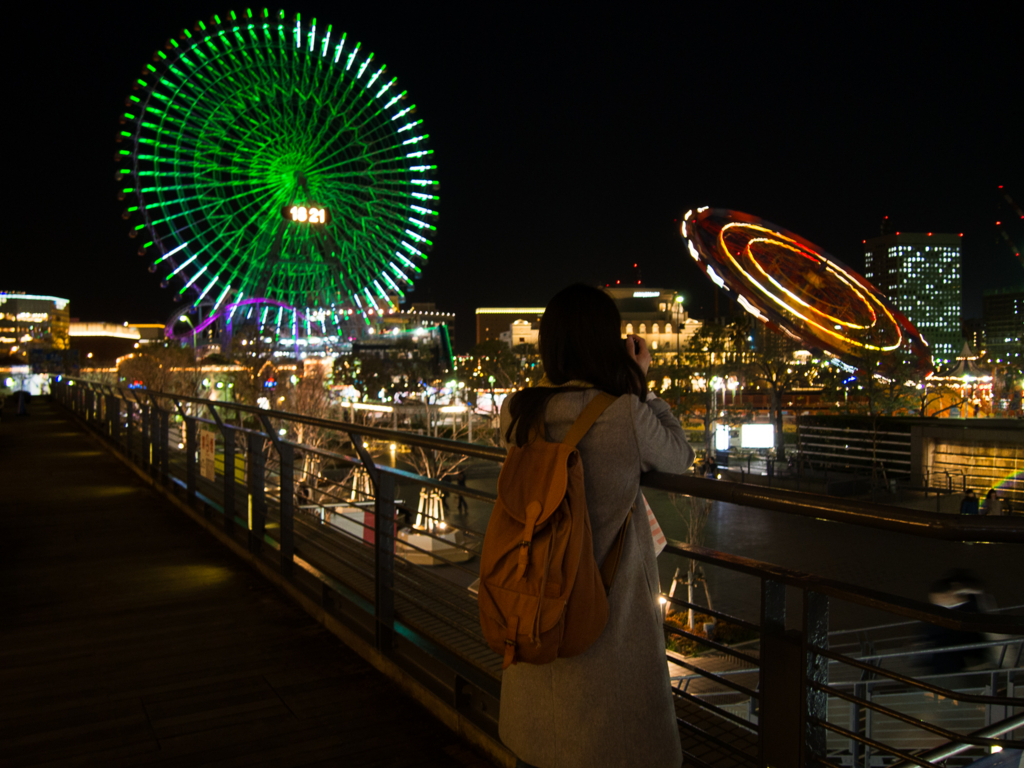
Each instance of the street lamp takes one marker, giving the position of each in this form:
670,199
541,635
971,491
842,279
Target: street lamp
188,320
679,308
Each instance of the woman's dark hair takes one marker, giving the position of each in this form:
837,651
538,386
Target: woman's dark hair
580,339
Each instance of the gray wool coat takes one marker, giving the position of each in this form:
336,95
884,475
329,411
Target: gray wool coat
611,705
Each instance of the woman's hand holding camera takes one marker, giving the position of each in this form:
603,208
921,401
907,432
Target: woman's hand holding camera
637,349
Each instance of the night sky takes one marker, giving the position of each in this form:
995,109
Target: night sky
569,141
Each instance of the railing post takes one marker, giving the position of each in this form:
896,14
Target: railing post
384,541
257,493
229,479
780,719
815,635
163,447
191,447
129,409
147,445
857,724
113,418
287,507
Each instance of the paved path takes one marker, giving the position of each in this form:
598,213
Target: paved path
128,637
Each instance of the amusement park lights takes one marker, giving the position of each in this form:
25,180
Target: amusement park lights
795,286
274,160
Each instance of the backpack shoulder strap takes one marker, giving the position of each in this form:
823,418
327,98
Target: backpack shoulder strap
586,419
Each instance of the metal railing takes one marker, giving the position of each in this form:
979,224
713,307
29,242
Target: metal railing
786,698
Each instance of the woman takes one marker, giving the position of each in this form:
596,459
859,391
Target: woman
612,704
993,504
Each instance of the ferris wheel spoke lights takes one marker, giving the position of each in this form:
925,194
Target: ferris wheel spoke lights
278,160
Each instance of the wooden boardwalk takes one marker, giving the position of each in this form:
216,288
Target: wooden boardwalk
129,637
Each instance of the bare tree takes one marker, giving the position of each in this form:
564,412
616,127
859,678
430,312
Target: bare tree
694,512
310,397
770,364
254,355
708,359
433,463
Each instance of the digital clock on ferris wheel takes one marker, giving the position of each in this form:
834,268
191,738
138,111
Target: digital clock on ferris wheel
313,213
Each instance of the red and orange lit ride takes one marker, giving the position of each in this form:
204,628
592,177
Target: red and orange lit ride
797,288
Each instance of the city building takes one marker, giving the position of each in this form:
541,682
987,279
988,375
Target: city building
1003,314
99,345
29,322
521,332
972,331
657,314
492,322
920,273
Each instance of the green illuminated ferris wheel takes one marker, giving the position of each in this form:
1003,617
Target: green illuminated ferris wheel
277,161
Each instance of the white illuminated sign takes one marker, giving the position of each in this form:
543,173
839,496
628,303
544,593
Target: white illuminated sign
757,436
721,437
646,294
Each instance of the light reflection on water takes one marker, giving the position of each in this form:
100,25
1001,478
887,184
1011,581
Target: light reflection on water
887,562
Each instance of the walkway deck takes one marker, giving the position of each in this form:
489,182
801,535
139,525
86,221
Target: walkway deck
129,637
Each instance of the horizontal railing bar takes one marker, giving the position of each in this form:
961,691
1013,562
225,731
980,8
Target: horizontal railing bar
718,711
849,458
713,676
408,438
723,673
469,672
945,617
711,644
714,739
841,430
915,683
943,649
1010,724
930,524
912,721
821,761
717,614
834,438
871,743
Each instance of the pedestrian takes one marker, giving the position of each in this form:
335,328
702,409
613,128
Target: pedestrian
959,590
460,479
993,504
612,704
969,506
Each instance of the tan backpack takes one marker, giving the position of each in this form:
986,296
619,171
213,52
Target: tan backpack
541,593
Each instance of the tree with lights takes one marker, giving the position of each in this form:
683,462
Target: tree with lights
707,361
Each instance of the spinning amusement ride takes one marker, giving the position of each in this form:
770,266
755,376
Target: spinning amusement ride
798,288
276,174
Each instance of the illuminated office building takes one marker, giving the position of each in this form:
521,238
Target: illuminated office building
32,323
920,273
1003,310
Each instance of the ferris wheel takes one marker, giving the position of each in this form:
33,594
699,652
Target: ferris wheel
277,163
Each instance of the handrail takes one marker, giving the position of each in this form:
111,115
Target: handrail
144,435
980,529
902,606
409,438
1007,530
